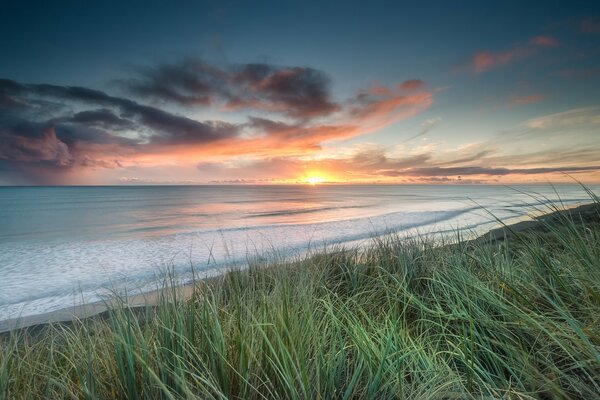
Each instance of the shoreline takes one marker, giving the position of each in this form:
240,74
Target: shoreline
586,212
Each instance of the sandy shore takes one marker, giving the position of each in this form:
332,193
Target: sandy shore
582,213
89,309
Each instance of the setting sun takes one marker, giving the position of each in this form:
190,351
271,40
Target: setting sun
314,180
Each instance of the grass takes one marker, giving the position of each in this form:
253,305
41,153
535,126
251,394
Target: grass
518,318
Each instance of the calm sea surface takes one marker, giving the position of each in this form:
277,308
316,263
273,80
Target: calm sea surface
60,246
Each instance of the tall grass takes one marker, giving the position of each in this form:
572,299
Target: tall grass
413,319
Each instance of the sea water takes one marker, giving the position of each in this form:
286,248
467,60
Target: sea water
61,246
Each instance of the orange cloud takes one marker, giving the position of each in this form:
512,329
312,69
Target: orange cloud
544,41
370,111
411,84
485,60
373,109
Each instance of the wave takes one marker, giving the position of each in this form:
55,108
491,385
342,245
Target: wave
72,257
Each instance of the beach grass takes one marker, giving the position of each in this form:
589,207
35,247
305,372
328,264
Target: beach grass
517,318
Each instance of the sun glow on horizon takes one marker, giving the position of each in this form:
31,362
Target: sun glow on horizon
314,180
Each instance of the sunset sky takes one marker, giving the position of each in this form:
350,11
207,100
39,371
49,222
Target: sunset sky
299,92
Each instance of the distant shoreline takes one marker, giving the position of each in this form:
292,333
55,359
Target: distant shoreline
583,213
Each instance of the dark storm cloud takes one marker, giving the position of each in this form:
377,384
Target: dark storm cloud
82,135
191,82
33,142
102,118
298,92
60,145
271,127
167,128
46,131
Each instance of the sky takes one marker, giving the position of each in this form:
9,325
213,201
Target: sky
105,93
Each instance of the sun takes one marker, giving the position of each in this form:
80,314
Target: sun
314,180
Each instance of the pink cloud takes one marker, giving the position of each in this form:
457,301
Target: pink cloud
544,41
485,60
411,84
380,90
372,109
380,108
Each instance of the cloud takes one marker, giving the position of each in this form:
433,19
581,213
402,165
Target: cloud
74,128
483,61
192,82
478,156
50,133
468,170
273,168
379,108
543,154
365,113
50,130
167,128
374,164
544,41
526,99
582,155
27,142
102,118
411,84
360,165
298,92
576,117
426,127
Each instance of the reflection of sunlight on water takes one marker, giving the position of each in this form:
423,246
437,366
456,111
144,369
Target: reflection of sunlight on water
257,212
314,180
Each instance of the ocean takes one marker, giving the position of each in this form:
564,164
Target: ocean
61,246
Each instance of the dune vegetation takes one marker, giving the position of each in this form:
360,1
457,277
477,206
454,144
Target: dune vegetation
416,319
